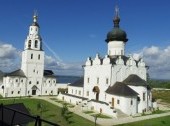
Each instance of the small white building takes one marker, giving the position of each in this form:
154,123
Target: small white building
31,79
115,83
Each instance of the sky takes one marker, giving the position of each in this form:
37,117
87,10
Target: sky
73,30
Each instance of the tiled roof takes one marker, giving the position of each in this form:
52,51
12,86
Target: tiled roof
49,73
135,80
121,89
78,83
16,73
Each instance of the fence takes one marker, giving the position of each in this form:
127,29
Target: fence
10,121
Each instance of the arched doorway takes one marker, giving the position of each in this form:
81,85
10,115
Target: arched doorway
34,90
96,90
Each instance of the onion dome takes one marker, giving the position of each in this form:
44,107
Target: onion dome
116,34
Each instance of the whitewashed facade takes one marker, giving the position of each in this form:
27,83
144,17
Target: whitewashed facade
31,79
115,83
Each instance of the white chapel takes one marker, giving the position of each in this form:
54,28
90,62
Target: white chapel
112,84
31,79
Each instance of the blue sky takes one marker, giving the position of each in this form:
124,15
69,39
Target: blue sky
72,30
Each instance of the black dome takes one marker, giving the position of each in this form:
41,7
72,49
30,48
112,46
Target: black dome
116,34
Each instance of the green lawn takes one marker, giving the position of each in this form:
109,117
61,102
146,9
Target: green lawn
50,112
88,112
162,121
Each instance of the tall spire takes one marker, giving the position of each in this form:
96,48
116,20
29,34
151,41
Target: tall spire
116,19
35,16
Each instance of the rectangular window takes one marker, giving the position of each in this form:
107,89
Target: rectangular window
107,80
79,92
87,93
118,102
88,80
72,91
121,52
131,102
16,80
76,92
143,96
31,56
39,56
97,80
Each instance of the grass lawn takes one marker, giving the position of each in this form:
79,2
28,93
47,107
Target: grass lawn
88,112
162,121
50,112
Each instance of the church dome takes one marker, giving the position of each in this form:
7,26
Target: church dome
116,34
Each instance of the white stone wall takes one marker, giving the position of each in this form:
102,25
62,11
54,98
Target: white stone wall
69,99
116,48
33,67
49,86
77,91
97,72
124,103
145,102
14,86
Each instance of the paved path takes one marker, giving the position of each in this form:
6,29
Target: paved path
105,122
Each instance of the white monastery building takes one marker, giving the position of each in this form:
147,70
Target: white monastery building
31,79
112,84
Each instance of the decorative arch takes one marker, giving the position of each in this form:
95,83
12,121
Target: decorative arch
34,89
36,44
96,90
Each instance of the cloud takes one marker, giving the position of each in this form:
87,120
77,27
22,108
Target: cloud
158,60
9,57
63,68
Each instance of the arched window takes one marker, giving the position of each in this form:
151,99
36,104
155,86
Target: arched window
36,43
29,44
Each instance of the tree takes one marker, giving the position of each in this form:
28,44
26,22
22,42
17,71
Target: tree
66,114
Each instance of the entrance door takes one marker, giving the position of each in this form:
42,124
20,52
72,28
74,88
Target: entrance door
33,92
112,102
96,90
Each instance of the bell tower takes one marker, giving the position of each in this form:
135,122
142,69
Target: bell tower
33,55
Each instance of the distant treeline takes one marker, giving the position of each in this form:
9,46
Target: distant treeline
159,83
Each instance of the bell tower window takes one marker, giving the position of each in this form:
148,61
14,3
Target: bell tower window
29,44
36,43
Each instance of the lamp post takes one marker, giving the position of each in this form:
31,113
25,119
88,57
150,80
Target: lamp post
95,118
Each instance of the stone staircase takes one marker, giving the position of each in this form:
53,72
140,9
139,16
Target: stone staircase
120,114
